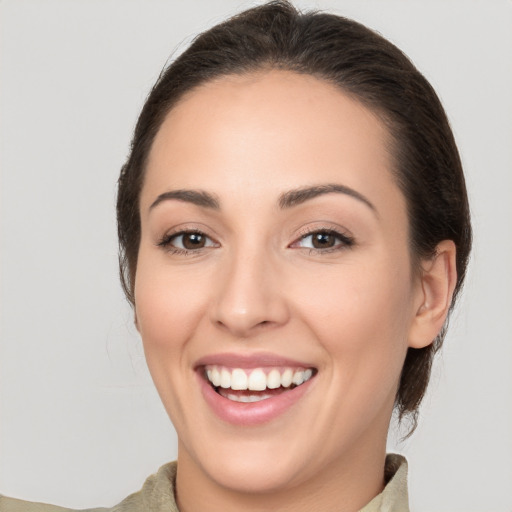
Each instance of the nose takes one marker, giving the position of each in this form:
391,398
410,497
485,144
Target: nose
250,295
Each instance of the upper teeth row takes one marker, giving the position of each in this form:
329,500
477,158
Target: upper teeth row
256,380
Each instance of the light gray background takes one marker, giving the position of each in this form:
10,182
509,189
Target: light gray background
81,424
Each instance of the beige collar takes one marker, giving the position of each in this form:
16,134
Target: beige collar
394,497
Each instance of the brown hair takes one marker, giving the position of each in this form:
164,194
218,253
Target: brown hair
373,71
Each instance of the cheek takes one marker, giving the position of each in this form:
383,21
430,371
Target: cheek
169,305
362,316
359,297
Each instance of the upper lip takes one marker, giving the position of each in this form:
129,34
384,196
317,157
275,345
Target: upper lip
255,360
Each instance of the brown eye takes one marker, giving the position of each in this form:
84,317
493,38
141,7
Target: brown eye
323,240
192,241
187,241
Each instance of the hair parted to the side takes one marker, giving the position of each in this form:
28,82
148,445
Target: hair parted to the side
372,71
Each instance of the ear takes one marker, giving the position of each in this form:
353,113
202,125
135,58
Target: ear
437,283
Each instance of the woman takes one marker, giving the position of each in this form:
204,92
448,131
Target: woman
294,231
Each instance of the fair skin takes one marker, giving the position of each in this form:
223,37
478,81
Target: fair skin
322,279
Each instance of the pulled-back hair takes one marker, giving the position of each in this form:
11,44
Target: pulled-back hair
370,69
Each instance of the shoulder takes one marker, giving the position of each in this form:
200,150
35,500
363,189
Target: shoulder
156,495
14,505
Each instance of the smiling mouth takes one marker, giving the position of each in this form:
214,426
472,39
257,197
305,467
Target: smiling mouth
255,385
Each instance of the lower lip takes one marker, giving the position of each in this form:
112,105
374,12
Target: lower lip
252,413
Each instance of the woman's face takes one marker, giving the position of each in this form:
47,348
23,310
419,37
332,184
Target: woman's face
274,249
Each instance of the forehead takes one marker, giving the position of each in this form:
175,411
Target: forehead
269,130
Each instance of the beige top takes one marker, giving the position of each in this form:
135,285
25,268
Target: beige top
157,494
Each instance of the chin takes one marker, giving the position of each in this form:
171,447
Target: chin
250,473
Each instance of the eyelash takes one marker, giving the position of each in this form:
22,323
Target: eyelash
166,242
345,241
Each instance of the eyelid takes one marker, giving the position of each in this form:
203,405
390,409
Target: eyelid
346,238
185,227
208,241
165,242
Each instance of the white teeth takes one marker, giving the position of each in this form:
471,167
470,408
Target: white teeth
256,398
238,379
298,378
234,398
274,379
256,380
225,378
246,398
214,377
286,378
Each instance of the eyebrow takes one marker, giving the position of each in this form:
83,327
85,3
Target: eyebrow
303,194
197,197
286,200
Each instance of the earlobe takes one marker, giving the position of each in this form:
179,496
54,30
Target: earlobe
438,279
